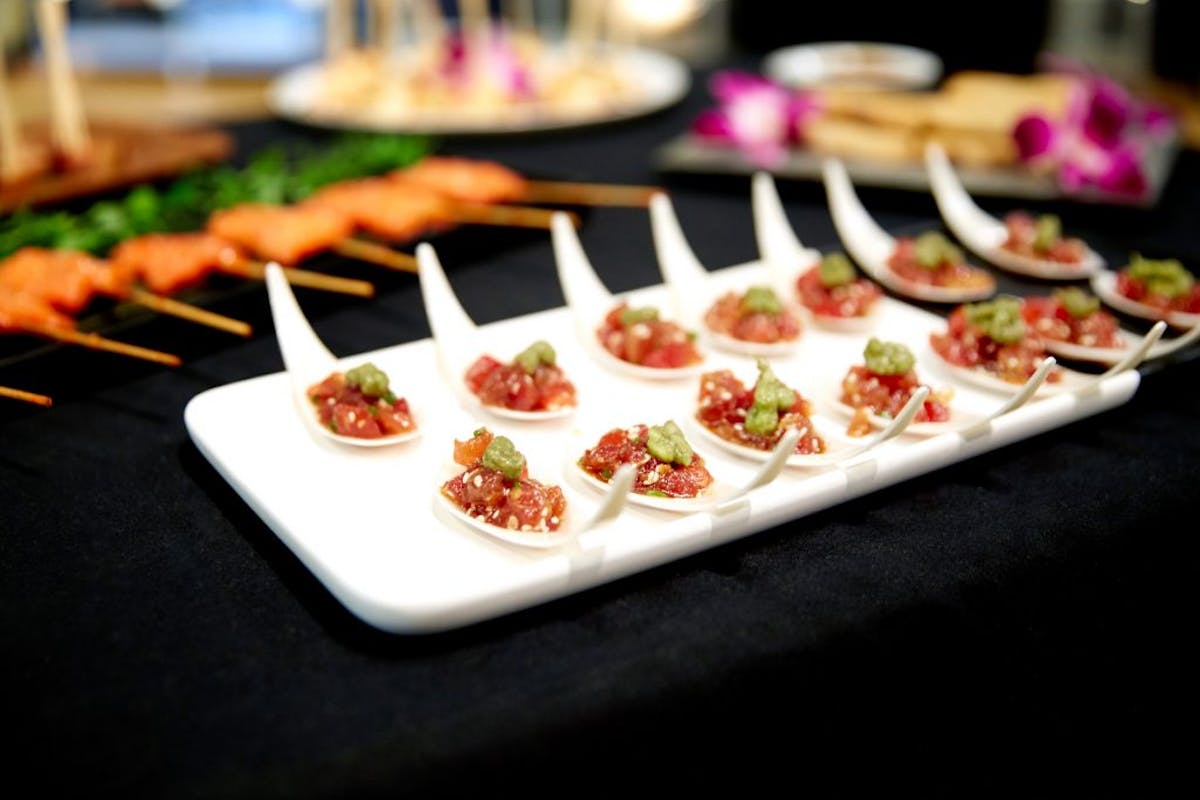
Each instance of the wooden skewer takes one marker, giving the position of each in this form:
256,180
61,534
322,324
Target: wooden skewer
248,268
26,397
583,28
375,253
507,216
339,28
12,150
174,308
522,14
589,194
428,25
70,127
97,342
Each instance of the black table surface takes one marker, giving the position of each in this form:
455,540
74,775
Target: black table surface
1029,607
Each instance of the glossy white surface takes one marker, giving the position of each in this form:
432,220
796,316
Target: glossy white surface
369,526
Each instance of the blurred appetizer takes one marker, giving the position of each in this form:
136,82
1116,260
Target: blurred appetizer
832,290
930,259
532,381
640,337
1072,316
992,337
1042,239
755,315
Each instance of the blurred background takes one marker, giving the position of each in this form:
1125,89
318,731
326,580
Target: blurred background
209,58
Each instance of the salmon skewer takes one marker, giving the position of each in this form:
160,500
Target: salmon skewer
478,181
168,262
26,397
21,312
68,279
289,234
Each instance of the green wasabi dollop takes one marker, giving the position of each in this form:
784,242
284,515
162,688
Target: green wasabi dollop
836,270
540,352
761,299
888,358
1000,319
1047,231
932,249
370,380
667,443
1165,278
1077,302
502,455
632,316
770,397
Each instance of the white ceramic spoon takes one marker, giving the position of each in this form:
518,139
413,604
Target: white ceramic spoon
1114,355
718,496
590,301
984,235
457,339
871,246
616,495
786,258
1104,284
1023,396
308,362
692,287
831,457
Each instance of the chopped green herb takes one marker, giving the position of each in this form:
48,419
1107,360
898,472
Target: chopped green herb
540,352
761,300
272,176
1077,302
477,432
502,455
1000,319
1165,278
656,493
888,358
605,473
836,270
373,410
667,443
333,426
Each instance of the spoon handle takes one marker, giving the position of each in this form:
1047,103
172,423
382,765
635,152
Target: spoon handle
304,354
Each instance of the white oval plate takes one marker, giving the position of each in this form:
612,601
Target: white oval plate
891,66
662,81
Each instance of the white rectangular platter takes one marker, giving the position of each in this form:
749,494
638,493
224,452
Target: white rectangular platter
366,522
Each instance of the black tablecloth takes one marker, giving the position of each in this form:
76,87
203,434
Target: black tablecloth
1030,607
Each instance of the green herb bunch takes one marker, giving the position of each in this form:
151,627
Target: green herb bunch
275,175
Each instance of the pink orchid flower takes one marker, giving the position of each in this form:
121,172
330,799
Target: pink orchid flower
1097,143
756,115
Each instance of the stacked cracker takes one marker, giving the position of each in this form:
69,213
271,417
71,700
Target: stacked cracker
972,116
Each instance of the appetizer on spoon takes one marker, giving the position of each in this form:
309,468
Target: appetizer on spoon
632,340
529,387
875,392
670,476
748,321
355,405
1019,243
828,288
1072,325
1152,289
495,495
751,421
926,267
